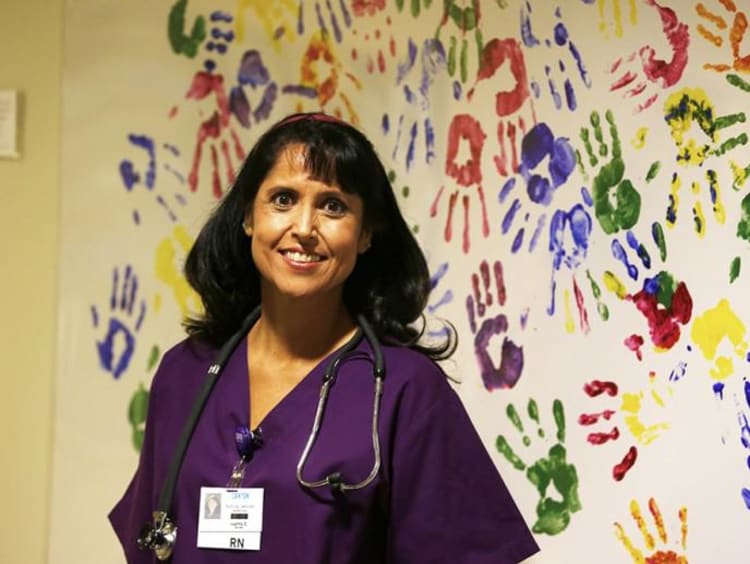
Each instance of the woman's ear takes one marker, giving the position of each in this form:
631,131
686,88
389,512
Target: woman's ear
247,226
365,240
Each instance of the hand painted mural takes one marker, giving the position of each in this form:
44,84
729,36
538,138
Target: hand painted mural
577,172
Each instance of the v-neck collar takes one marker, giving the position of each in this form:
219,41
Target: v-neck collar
297,405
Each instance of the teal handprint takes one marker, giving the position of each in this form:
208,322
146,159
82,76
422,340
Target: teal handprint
553,514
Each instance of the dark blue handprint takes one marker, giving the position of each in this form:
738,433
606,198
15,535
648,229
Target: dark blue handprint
539,147
570,231
127,312
146,174
221,38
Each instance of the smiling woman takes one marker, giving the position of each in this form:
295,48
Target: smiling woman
306,234
308,273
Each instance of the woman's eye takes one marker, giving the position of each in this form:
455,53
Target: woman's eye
283,199
334,206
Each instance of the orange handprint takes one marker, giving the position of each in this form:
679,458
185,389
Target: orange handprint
321,78
736,36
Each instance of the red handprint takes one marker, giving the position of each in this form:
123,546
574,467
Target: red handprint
467,175
216,131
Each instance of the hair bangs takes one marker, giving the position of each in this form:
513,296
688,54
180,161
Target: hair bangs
333,163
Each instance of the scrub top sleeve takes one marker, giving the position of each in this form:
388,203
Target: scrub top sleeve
137,504
448,502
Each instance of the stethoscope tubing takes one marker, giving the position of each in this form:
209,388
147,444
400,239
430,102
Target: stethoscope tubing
212,376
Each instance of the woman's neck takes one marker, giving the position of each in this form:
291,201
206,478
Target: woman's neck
301,329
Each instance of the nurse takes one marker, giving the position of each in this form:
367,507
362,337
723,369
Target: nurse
311,237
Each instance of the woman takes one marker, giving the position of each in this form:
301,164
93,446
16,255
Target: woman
311,239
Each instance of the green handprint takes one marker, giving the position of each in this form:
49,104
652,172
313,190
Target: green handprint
617,204
137,409
466,16
553,515
416,6
182,43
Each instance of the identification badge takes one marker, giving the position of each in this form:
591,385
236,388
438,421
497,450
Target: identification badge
230,518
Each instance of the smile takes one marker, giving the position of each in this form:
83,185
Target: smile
302,257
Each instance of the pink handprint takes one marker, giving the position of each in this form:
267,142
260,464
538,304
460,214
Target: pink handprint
639,83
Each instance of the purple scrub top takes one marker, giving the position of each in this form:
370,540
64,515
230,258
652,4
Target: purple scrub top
437,497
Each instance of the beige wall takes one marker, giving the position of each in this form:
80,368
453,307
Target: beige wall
30,62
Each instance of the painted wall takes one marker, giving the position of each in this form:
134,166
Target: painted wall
576,170
30,62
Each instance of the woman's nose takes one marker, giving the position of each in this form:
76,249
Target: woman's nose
305,224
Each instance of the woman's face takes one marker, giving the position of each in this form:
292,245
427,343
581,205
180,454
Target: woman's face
306,234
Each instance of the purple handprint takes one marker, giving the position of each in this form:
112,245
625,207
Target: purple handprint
253,73
477,303
127,312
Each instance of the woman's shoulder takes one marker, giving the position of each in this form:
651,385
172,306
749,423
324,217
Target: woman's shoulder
184,362
414,374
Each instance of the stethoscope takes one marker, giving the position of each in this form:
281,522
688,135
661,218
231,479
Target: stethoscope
160,535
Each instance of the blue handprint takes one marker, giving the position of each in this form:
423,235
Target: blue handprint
447,297
220,39
332,20
127,312
743,418
415,82
539,145
131,176
562,41
570,232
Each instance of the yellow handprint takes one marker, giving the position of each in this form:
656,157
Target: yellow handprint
664,556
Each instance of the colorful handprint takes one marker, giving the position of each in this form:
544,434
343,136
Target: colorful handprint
640,75
126,313
415,81
546,163
568,67
132,176
733,35
650,555
617,204
552,469
467,175
485,305
182,43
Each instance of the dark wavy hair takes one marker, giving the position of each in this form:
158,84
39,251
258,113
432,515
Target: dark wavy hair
390,283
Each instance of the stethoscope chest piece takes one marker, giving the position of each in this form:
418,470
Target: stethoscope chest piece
159,536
